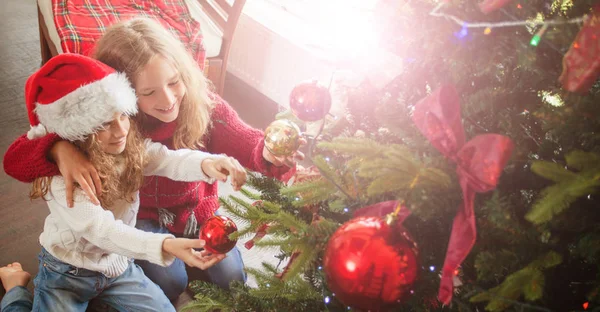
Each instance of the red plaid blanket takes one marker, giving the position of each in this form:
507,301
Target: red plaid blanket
80,23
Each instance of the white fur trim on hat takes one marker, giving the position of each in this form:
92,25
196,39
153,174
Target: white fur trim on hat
36,132
83,111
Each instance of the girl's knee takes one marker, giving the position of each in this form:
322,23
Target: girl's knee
173,288
172,280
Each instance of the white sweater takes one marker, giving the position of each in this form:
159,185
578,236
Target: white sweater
90,237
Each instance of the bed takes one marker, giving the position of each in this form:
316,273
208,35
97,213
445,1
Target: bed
216,18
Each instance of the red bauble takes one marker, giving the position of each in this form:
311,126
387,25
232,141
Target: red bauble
215,232
581,64
370,265
310,101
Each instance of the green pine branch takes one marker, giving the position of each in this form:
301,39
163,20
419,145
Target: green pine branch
569,185
528,282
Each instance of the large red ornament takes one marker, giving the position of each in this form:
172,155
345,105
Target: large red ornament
215,233
310,101
370,265
581,64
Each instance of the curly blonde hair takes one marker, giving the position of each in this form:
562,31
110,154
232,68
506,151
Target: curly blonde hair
121,175
130,45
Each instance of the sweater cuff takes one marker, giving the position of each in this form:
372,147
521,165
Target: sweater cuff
282,173
154,250
197,170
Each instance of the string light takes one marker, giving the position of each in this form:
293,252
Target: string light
487,31
435,12
538,36
462,33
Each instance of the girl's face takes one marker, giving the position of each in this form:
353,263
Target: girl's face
113,136
160,89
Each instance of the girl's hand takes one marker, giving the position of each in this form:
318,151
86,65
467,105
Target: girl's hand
76,168
220,168
183,248
289,161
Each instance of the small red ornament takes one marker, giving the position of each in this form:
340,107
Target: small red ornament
488,6
581,64
215,232
370,265
310,101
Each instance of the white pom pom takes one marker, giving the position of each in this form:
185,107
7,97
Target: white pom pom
36,132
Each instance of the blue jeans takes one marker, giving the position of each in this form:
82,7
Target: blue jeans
62,287
174,279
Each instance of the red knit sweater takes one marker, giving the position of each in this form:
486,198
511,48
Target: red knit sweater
178,205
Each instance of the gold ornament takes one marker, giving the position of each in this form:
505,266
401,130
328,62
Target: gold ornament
282,138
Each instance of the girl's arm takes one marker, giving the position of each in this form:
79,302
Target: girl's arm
233,137
27,160
178,165
190,165
100,228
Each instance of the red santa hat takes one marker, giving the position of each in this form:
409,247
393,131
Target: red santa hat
73,96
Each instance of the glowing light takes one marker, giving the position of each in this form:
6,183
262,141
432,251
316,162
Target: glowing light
464,31
320,268
351,266
336,25
346,209
538,36
432,268
535,40
487,31
519,6
327,300
576,45
552,99
586,305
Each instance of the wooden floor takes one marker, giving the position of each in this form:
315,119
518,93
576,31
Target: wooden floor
21,220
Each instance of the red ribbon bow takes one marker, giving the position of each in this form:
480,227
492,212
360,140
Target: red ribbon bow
479,165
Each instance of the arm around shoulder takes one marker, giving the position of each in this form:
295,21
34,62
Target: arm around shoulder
27,160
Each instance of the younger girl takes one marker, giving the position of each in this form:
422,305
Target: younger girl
177,110
87,251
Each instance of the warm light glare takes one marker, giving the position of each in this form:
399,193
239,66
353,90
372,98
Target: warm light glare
585,305
487,31
346,28
350,266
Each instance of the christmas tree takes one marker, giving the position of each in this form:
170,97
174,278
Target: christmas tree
489,134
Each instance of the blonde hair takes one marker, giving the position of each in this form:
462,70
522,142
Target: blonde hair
121,175
129,46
